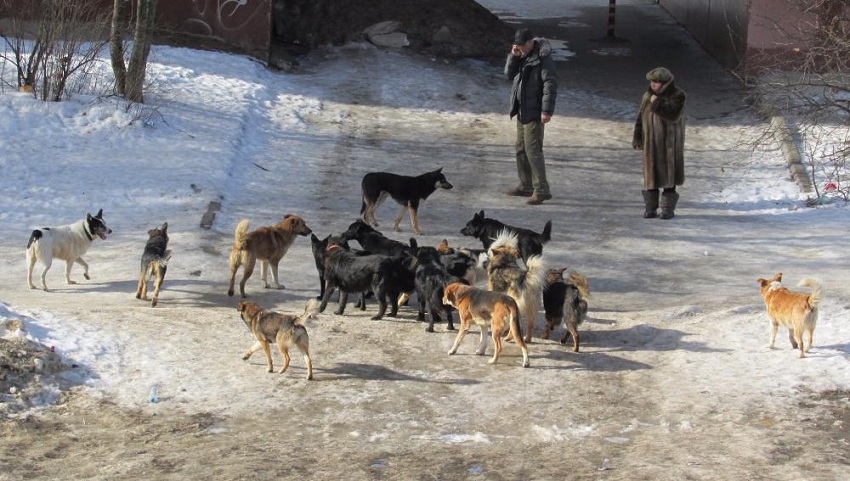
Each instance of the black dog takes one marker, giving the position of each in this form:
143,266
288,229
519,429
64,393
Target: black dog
373,241
319,247
466,265
565,298
431,280
486,230
353,273
154,263
406,190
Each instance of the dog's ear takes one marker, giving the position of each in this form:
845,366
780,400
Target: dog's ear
99,214
164,226
778,277
480,215
762,282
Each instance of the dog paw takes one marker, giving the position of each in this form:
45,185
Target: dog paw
451,328
86,275
71,283
376,318
479,353
230,293
430,329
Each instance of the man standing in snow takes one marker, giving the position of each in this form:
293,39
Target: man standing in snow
532,70
660,132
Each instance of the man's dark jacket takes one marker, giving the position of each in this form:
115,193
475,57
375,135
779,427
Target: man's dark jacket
535,79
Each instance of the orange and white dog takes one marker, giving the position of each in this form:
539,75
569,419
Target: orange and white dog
484,308
798,311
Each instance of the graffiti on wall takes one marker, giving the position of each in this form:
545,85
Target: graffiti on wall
239,21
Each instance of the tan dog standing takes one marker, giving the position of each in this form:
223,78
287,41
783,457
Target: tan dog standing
285,330
797,311
267,244
485,308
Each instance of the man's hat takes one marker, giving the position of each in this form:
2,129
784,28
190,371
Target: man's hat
522,35
659,74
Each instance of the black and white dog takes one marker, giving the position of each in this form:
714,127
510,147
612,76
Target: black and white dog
65,242
406,190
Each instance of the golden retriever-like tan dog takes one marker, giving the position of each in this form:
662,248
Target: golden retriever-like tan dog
484,308
798,311
267,244
285,330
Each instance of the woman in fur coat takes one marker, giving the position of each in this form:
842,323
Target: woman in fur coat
660,133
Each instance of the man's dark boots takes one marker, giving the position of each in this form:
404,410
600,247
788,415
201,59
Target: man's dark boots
650,200
669,198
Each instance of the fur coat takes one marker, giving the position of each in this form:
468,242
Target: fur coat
660,132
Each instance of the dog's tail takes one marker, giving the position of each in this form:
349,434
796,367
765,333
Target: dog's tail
546,235
815,286
532,286
514,326
535,275
580,283
505,238
34,237
166,256
239,235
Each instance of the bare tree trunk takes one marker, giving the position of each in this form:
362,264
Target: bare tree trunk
145,19
116,45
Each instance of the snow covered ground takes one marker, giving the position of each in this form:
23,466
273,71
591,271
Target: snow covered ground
674,379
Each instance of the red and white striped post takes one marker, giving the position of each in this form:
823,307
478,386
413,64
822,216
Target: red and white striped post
612,7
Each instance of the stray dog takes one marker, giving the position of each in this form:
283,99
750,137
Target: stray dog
524,285
431,279
373,241
486,230
797,311
565,298
65,242
406,190
154,263
285,330
318,246
482,307
353,273
268,244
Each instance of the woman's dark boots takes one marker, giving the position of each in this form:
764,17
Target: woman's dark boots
650,200
669,198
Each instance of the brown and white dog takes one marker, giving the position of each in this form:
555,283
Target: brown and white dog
504,274
267,244
798,311
484,308
285,330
